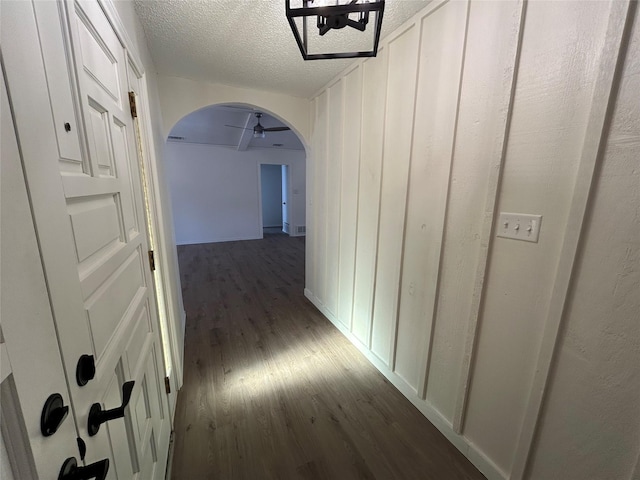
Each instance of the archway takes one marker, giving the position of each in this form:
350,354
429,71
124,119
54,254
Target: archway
213,165
180,96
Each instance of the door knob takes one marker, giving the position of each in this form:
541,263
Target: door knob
97,416
71,471
53,414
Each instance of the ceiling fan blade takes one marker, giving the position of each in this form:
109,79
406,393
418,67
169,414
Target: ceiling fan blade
241,128
276,129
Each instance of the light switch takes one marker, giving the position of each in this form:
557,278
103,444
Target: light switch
519,226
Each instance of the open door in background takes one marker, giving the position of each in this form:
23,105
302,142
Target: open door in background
272,198
285,199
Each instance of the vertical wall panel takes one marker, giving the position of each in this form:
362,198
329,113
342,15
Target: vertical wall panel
349,196
488,71
598,354
309,252
319,194
438,87
374,86
545,143
401,88
333,192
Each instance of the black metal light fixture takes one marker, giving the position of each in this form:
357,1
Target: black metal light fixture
319,27
258,130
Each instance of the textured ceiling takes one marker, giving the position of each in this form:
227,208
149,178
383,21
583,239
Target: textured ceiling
242,43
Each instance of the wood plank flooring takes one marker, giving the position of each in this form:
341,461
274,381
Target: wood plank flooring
272,390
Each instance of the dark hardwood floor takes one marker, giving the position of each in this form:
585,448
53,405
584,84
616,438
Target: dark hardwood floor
272,390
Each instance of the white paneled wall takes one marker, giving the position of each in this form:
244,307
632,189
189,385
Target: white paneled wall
349,194
402,54
439,78
374,81
332,193
469,109
549,118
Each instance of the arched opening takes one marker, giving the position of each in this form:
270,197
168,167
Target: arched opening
220,163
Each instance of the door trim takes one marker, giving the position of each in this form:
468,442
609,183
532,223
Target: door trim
161,217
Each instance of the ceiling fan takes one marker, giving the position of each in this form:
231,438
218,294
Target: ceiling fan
258,130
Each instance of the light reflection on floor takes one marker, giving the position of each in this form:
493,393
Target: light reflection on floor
301,364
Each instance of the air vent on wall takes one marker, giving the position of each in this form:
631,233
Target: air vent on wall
301,229
174,138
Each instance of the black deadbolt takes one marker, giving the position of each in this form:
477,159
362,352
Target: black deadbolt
85,370
53,414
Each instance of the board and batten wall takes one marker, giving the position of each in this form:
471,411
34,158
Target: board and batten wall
525,355
215,190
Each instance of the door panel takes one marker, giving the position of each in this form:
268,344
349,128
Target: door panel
58,72
95,226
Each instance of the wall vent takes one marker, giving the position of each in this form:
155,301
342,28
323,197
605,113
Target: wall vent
301,229
173,137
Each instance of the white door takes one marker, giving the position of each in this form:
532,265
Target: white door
27,332
285,199
81,165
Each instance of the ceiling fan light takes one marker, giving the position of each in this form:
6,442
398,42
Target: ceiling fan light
258,134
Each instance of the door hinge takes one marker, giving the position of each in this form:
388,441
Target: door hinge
152,261
167,385
132,104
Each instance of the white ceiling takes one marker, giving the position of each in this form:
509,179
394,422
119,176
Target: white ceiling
245,43
209,126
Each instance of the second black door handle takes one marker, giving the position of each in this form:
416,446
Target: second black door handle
72,471
97,416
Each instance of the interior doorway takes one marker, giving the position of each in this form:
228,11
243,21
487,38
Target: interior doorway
274,195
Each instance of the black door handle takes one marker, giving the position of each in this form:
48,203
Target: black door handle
97,416
53,414
71,471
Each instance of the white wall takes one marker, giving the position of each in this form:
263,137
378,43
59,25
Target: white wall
469,110
271,191
215,190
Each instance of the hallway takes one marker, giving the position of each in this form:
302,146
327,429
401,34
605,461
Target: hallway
273,391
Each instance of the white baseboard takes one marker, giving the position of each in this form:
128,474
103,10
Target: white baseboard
221,239
466,447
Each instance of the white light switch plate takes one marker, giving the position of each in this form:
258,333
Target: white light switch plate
519,226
